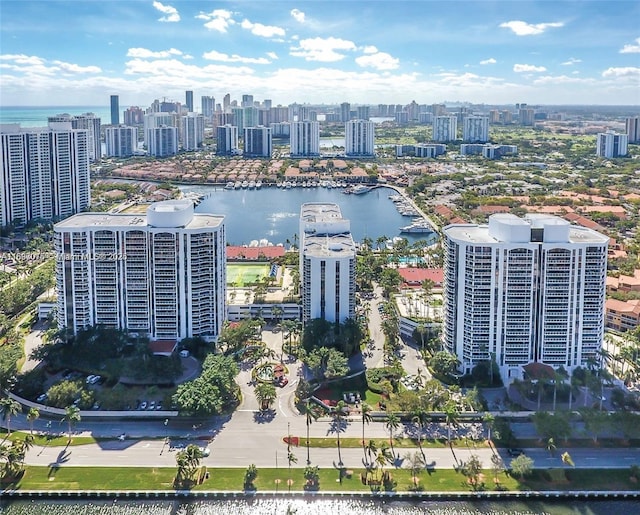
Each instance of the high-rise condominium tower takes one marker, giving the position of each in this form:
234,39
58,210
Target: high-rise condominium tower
524,290
161,275
208,106
115,110
633,129
305,139
227,140
257,142
445,128
475,129
163,141
44,172
611,144
327,263
189,100
192,131
121,141
359,138
88,121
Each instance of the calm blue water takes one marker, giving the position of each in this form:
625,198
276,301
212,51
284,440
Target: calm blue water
317,507
274,213
28,116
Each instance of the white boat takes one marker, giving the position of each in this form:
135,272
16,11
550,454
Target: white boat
229,185
237,185
252,184
360,189
245,184
258,185
287,185
419,226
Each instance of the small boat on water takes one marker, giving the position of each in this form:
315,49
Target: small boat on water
237,185
258,185
418,226
229,185
245,184
252,185
287,185
360,189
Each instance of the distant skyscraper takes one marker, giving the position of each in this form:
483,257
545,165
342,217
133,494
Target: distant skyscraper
153,120
208,106
327,263
633,129
359,138
362,112
611,144
305,139
170,286
475,128
44,172
88,121
192,131
115,110
524,290
227,140
345,112
257,142
527,116
247,101
249,117
401,117
133,116
226,103
445,128
121,141
189,100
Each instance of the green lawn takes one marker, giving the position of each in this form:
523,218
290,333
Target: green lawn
51,441
226,479
244,274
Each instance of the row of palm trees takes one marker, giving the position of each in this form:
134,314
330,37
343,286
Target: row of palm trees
10,408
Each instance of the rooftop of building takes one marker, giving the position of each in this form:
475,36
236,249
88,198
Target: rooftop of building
335,246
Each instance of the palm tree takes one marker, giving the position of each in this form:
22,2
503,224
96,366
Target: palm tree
310,417
32,416
451,414
265,395
9,408
551,446
366,418
392,423
71,416
488,420
372,448
338,415
291,458
420,418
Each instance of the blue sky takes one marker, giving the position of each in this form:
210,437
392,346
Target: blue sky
392,52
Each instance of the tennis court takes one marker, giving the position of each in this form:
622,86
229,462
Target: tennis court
244,274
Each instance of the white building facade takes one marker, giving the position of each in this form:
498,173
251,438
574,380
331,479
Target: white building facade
475,129
445,128
524,290
359,138
161,275
121,141
87,121
610,144
327,263
44,172
632,128
163,141
227,140
305,139
192,131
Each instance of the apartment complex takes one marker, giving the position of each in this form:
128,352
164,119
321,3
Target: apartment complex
305,139
327,263
475,129
192,131
632,127
227,140
121,141
610,144
359,138
257,142
162,141
44,172
87,121
524,290
445,128
161,275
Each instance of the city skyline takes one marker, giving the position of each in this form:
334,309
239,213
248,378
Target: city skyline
307,52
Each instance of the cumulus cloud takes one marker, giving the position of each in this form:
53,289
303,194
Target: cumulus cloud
622,72
370,49
22,58
76,68
522,28
571,60
218,19
144,53
379,61
171,13
520,68
213,55
634,48
322,49
265,31
491,60
298,15
272,55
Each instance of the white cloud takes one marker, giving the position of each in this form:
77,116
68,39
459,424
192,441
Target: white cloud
22,58
520,68
272,55
491,60
522,28
562,79
76,68
144,53
624,72
213,55
171,12
571,61
177,70
322,49
379,61
631,49
298,15
218,19
265,31
370,49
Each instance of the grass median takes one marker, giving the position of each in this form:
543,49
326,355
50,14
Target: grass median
329,443
281,479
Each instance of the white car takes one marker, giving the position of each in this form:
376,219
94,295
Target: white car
205,451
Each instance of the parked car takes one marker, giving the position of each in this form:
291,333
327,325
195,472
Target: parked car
143,405
152,405
159,406
515,452
42,397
